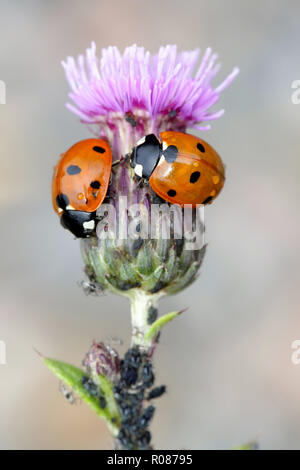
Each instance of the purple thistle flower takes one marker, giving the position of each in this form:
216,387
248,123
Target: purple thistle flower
163,89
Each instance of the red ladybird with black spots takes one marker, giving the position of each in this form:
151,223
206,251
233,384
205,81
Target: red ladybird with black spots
181,168
80,183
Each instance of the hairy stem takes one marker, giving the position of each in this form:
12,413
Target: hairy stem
143,314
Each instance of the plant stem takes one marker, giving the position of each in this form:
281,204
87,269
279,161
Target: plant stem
143,313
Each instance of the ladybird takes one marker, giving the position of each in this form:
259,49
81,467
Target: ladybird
80,183
181,168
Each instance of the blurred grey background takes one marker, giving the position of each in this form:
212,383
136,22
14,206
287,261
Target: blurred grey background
227,361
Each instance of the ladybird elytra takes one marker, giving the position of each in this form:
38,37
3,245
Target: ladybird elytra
80,184
181,168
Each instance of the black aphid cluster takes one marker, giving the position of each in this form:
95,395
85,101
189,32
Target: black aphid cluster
136,376
93,390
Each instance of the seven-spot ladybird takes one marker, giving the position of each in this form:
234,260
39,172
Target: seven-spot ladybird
80,183
181,168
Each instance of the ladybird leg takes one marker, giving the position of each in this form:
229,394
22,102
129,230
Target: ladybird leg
122,159
140,183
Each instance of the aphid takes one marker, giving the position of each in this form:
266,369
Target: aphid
102,402
129,117
80,183
133,357
146,417
126,411
147,375
123,438
91,288
118,393
67,393
129,375
136,398
144,439
90,386
181,168
152,315
133,428
156,392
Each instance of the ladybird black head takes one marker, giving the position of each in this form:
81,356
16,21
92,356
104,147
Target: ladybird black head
145,156
80,223
62,201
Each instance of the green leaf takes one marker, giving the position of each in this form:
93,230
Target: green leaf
253,445
72,376
107,389
160,323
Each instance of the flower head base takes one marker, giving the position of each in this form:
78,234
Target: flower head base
162,87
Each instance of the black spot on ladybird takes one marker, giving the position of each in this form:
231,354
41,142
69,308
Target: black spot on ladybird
62,201
200,147
171,192
195,176
73,169
170,153
207,200
99,149
95,184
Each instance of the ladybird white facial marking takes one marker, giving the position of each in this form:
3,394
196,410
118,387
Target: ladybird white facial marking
164,145
59,210
161,160
141,141
70,208
89,225
138,169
